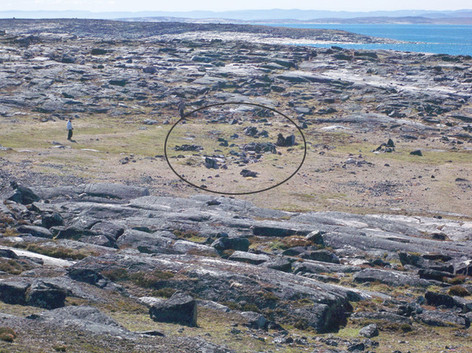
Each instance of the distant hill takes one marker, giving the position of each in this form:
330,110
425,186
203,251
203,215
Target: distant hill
272,16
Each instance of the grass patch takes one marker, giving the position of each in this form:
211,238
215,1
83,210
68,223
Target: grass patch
12,266
57,251
7,334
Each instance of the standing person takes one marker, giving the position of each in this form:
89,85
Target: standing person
181,108
69,129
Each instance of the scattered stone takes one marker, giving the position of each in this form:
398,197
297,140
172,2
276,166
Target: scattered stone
285,141
211,163
417,153
246,173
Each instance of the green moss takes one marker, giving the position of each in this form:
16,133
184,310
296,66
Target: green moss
165,292
151,279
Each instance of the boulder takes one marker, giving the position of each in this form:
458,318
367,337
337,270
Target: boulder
35,231
285,141
23,194
434,274
181,309
321,255
246,173
45,295
225,243
254,320
52,220
211,163
13,291
369,331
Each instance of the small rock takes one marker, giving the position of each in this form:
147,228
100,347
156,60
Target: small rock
248,173
417,153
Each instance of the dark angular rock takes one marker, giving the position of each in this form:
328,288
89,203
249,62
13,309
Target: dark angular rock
186,147
13,291
316,237
52,220
150,70
434,274
248,173
23,194
7,253
45,295
241,244
355,347
437,299
98,51
416,153
211,163
411,259
285,141
87,275
268,231
120,83
180,308
321,255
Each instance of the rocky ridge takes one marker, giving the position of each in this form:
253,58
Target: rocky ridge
270,269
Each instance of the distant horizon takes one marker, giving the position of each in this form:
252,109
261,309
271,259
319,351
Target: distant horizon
239,15
421,10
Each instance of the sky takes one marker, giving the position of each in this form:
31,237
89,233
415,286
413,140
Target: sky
222,5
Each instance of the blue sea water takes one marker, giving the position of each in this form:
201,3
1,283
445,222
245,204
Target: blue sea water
438,39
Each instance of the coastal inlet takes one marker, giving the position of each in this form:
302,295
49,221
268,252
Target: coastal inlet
235,148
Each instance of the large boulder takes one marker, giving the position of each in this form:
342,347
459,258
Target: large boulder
13,291
45,295
181,308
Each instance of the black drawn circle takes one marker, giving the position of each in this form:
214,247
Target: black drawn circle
235,193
